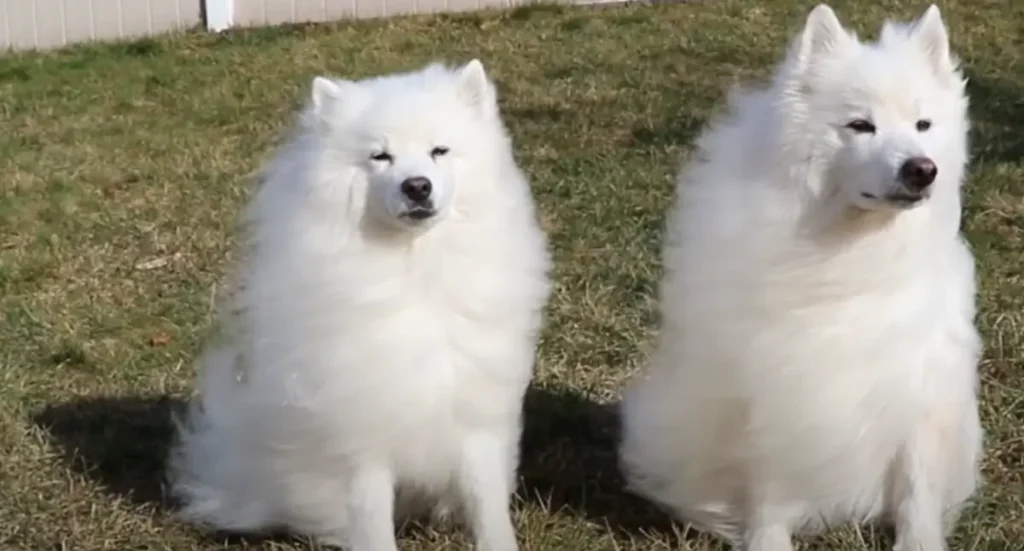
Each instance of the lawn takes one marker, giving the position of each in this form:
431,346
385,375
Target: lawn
124,168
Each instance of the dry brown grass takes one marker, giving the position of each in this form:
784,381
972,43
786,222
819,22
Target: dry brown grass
115,156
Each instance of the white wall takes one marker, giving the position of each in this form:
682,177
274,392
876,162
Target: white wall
27,24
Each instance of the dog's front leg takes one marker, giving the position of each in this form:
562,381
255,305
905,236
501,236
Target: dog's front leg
767,527
935,472
371,503
483,484
918,513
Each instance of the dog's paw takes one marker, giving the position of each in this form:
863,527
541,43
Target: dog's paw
919,544
331,541
444,515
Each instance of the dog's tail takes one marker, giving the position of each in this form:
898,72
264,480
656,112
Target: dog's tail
212,471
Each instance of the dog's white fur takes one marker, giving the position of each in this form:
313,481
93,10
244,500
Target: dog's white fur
370,355
817,357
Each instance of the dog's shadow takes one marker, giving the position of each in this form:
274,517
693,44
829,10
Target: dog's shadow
120,442
997,106
569,463
123,444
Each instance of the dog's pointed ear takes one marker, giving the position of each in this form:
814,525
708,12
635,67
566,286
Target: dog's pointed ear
929,32
327,93
475,88
823,35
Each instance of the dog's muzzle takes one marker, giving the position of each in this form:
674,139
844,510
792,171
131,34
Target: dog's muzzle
417,192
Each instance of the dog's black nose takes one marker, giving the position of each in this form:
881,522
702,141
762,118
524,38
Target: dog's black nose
417,189
917,173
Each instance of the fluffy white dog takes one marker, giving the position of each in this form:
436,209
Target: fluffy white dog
817,359
383,324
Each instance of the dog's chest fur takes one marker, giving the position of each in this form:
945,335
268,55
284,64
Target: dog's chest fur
403,351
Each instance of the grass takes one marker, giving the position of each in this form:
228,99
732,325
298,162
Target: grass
124,167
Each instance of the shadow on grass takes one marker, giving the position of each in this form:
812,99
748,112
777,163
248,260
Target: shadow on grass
569,463
997,107
120,442
680,129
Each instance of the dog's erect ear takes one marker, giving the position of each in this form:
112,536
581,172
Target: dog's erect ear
327,93
929,32
823,35
475,88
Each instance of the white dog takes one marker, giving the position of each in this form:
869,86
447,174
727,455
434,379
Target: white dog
383,326
817,360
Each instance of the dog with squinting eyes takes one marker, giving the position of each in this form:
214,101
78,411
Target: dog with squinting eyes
817,362
383,326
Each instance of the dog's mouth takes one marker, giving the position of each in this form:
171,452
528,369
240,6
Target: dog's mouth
898,198
904,198
419,213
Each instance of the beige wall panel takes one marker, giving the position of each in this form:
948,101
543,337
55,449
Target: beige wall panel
27,24
19,24
271,12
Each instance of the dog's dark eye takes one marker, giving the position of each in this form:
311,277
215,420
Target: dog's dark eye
383,157
438,151
923,125
861,126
